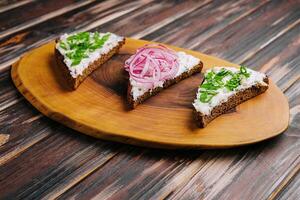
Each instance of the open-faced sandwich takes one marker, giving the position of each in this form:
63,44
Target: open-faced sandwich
79,54
223,88
155,67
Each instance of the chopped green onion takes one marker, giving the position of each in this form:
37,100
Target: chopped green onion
79,45
63,45
214,81
243,71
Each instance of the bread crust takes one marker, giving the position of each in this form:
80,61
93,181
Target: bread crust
233,101
133,103
73,83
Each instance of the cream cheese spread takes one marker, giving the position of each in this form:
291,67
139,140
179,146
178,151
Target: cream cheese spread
223,93
78,69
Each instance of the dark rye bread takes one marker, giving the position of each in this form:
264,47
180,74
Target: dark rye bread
133,103
233,101
73,83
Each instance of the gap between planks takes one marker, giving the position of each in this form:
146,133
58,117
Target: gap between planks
168,20
282,32
241,17
286,181
15,5
21,148
11,103
78,178
44,18
182,178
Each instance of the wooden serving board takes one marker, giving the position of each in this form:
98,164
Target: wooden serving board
98,107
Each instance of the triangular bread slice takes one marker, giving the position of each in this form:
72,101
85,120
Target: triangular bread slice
223,88
188,65
79,54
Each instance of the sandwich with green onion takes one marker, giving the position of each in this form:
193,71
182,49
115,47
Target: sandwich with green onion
223,88
79,54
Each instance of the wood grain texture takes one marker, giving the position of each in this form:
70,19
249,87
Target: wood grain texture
268,52
29,12
265,23
92,15
8,96
67,162
6,5
89,18
38,79
292,190
3,138
53,9
280,58
204,22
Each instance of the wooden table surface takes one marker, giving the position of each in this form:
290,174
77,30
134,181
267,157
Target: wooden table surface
40,158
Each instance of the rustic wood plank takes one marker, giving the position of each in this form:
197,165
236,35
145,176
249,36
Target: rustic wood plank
247,177
136,171
29,11
133,176
3,138
164,12
280,58
292,191
17,118
197,26
12,47
8,94
286,183
264,24
6,5
35,13
294,103
235,10
24,129
68,161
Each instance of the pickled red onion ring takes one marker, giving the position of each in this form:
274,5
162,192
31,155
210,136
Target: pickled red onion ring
152,65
